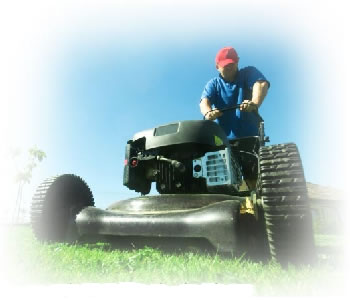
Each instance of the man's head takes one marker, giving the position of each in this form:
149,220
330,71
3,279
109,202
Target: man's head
227,63
225,56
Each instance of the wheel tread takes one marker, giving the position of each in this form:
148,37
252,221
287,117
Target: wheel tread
43,211
286,207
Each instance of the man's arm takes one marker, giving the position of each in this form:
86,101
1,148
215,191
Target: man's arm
205,107
259,92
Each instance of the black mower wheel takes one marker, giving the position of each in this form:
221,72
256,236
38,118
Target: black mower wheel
55,205
252,238
285,204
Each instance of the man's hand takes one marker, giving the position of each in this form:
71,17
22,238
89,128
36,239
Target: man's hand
248,106
213,114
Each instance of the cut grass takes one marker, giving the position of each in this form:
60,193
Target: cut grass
33,262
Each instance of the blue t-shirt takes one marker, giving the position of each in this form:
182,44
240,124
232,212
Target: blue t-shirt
222,94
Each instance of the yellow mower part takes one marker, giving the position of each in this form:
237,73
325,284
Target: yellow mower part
247,206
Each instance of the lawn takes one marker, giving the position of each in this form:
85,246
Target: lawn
29,261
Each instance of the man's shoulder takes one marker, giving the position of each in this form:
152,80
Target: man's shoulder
250,74
214,79
247,70
213,82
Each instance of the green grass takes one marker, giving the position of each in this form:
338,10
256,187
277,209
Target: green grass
34,262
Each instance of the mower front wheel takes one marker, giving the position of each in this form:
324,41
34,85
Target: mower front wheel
55,205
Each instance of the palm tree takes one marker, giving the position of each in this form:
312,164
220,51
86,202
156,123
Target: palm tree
24,175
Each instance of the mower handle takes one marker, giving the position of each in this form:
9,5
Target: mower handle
233,108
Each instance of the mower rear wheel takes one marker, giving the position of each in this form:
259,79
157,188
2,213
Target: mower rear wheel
286,207
55,205
252,238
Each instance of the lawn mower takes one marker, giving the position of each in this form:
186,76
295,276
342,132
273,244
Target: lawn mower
236,195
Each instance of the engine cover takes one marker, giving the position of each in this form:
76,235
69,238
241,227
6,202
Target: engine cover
200,132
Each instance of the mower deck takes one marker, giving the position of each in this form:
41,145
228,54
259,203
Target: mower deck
213,217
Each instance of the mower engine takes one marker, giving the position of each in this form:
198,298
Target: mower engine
183,157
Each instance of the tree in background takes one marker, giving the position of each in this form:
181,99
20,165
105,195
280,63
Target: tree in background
24,175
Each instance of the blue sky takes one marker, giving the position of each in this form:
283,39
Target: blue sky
102,73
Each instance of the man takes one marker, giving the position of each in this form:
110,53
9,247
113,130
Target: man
247,87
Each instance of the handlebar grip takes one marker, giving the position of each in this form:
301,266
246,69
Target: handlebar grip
232,108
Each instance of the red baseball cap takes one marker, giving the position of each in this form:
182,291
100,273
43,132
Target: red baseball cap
225,56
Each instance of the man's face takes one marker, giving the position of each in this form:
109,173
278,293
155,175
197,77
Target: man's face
228,72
